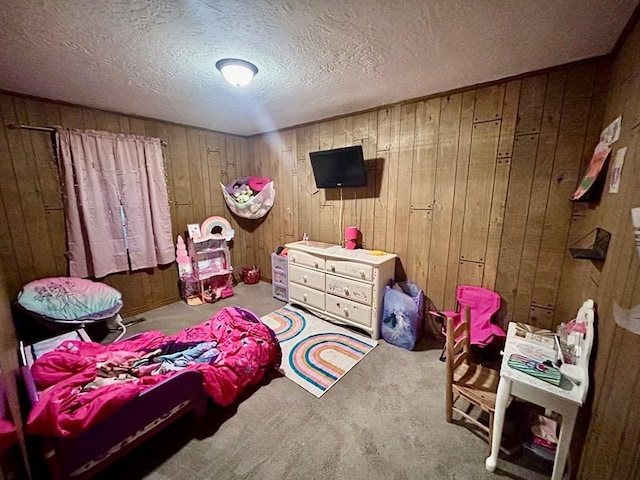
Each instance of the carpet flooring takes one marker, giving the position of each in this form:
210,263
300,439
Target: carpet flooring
386,422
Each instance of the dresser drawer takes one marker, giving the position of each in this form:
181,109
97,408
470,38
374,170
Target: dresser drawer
343,287
350,269
307,277
308,296
306,259
353,311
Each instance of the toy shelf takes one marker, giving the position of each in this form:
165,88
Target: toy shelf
204,251
205,267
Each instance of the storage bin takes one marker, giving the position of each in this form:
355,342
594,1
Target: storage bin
280,277
250,275
280,292
279,262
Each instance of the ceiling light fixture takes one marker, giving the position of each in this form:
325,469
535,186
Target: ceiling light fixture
237,72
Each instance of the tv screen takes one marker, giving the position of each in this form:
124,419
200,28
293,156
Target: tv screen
340,167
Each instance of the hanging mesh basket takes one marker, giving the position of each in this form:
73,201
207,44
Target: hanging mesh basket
256,207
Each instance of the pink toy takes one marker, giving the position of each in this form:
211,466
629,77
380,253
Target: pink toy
237,185
216,228
208,276
258,183
182,258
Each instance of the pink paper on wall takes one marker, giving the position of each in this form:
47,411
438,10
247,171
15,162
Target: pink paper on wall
600,155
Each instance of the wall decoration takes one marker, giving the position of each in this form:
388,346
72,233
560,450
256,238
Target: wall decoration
616,170
194,230
600,155
217,228
612,132
635,219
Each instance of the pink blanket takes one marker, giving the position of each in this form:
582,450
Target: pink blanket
8,434
82,383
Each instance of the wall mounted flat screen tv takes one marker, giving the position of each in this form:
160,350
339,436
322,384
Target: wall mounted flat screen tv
340,167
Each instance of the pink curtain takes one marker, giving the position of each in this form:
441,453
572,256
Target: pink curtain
116,200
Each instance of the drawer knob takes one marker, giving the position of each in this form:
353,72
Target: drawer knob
346,291
293,259
362,273
304,278
304,297
346,312
333,268
316,264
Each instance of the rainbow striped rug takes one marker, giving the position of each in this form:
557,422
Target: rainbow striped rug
315,352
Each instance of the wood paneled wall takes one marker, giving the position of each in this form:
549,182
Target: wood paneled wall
612,448
33,242
471,187
9,371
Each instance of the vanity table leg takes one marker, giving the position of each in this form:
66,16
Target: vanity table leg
502,398
564,440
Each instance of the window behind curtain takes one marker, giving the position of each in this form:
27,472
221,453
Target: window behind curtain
116,202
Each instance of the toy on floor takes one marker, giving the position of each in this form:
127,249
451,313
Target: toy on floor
251,275
207,275
182,258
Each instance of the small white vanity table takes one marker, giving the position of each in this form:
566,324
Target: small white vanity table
564,399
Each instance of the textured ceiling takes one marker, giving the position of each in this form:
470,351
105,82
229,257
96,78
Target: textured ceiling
317,58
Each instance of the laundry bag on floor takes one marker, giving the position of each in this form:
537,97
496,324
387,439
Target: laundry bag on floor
402,315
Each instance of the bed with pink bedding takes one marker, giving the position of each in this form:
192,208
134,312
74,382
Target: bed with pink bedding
91,401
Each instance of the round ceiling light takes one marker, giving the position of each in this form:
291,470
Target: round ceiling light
237,72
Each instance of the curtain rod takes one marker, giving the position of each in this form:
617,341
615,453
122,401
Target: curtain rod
49,129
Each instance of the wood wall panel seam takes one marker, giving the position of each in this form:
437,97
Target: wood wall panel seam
459,198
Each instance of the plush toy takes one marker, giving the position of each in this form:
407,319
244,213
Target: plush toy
258,183
238,185
254,205
243,195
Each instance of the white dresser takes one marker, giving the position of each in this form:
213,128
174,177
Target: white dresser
346,286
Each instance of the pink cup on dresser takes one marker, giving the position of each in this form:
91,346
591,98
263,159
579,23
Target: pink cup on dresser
351,237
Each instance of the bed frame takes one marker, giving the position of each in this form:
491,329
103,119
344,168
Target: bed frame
83,456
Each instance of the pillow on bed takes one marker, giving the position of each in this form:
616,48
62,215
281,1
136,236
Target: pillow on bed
70,299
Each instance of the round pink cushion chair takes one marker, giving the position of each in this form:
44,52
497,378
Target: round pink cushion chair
60,304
